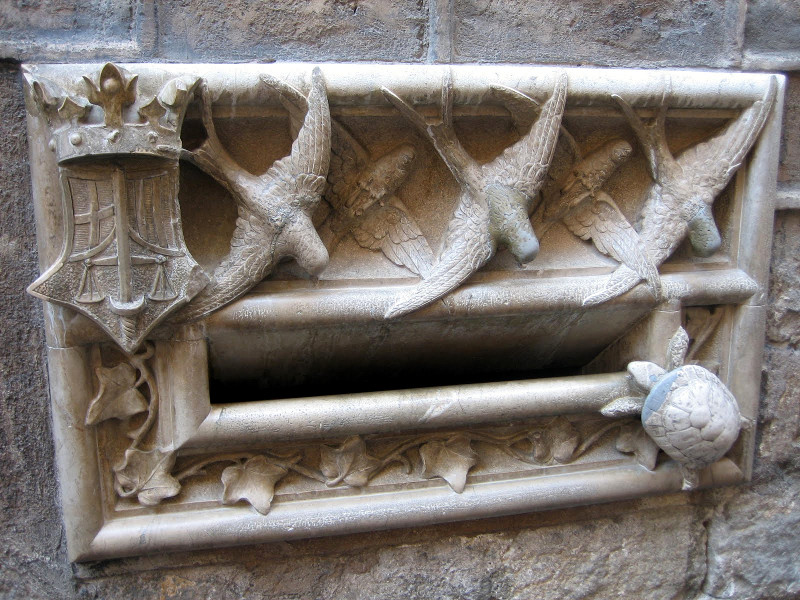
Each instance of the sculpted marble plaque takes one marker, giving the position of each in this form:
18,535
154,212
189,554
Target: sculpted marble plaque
287,301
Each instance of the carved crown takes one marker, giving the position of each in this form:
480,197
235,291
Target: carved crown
111,117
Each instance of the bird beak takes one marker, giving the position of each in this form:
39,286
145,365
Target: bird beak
703,233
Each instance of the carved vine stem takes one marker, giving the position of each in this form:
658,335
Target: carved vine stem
198,467
139,362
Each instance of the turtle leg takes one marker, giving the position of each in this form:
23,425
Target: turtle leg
691,478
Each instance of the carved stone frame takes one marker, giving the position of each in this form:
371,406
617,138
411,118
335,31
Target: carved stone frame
190,424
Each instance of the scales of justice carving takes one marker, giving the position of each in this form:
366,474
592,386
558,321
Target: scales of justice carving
125,265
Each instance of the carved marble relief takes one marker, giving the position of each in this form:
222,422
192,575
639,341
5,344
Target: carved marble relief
496,197
123,262
421,291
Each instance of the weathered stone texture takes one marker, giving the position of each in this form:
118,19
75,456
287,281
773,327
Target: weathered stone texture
783,319
30,528
755,531
287,30
771,34
496,559
618,33
790,141
69,29
243,30
753,541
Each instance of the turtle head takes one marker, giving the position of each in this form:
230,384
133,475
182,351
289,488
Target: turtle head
645,374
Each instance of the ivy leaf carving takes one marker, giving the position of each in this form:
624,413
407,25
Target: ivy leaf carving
451,460
633,439
146,474
117,397
349,463
253,481
557,441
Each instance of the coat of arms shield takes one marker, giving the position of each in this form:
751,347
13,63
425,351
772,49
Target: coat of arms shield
124,262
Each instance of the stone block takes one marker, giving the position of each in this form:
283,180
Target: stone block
771,34
779,417
645,554
616,33
752,543
789,166
783,315
30,530
65,30
321,30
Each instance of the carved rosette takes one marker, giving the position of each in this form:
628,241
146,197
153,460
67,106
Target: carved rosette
124,262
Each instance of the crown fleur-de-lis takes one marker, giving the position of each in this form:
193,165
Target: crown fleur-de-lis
53,100
113,92
153,111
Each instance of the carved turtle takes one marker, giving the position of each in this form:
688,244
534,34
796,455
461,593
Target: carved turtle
688,411
690,414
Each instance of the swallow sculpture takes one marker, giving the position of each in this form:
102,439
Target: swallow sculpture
679,201
591,214
275,209
361,192
496,198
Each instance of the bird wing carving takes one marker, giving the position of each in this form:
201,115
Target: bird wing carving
601,221
387,227
306,166
467,247
251,256
663,226
377,221
621,280
524,165
712,163
391,230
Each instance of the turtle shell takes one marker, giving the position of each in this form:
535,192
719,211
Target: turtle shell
692,416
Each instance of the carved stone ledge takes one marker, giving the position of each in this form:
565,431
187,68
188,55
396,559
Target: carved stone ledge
286,300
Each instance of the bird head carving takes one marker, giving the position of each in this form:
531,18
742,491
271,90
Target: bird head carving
703,232
509,223
299,240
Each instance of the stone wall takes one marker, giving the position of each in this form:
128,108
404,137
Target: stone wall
731,543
